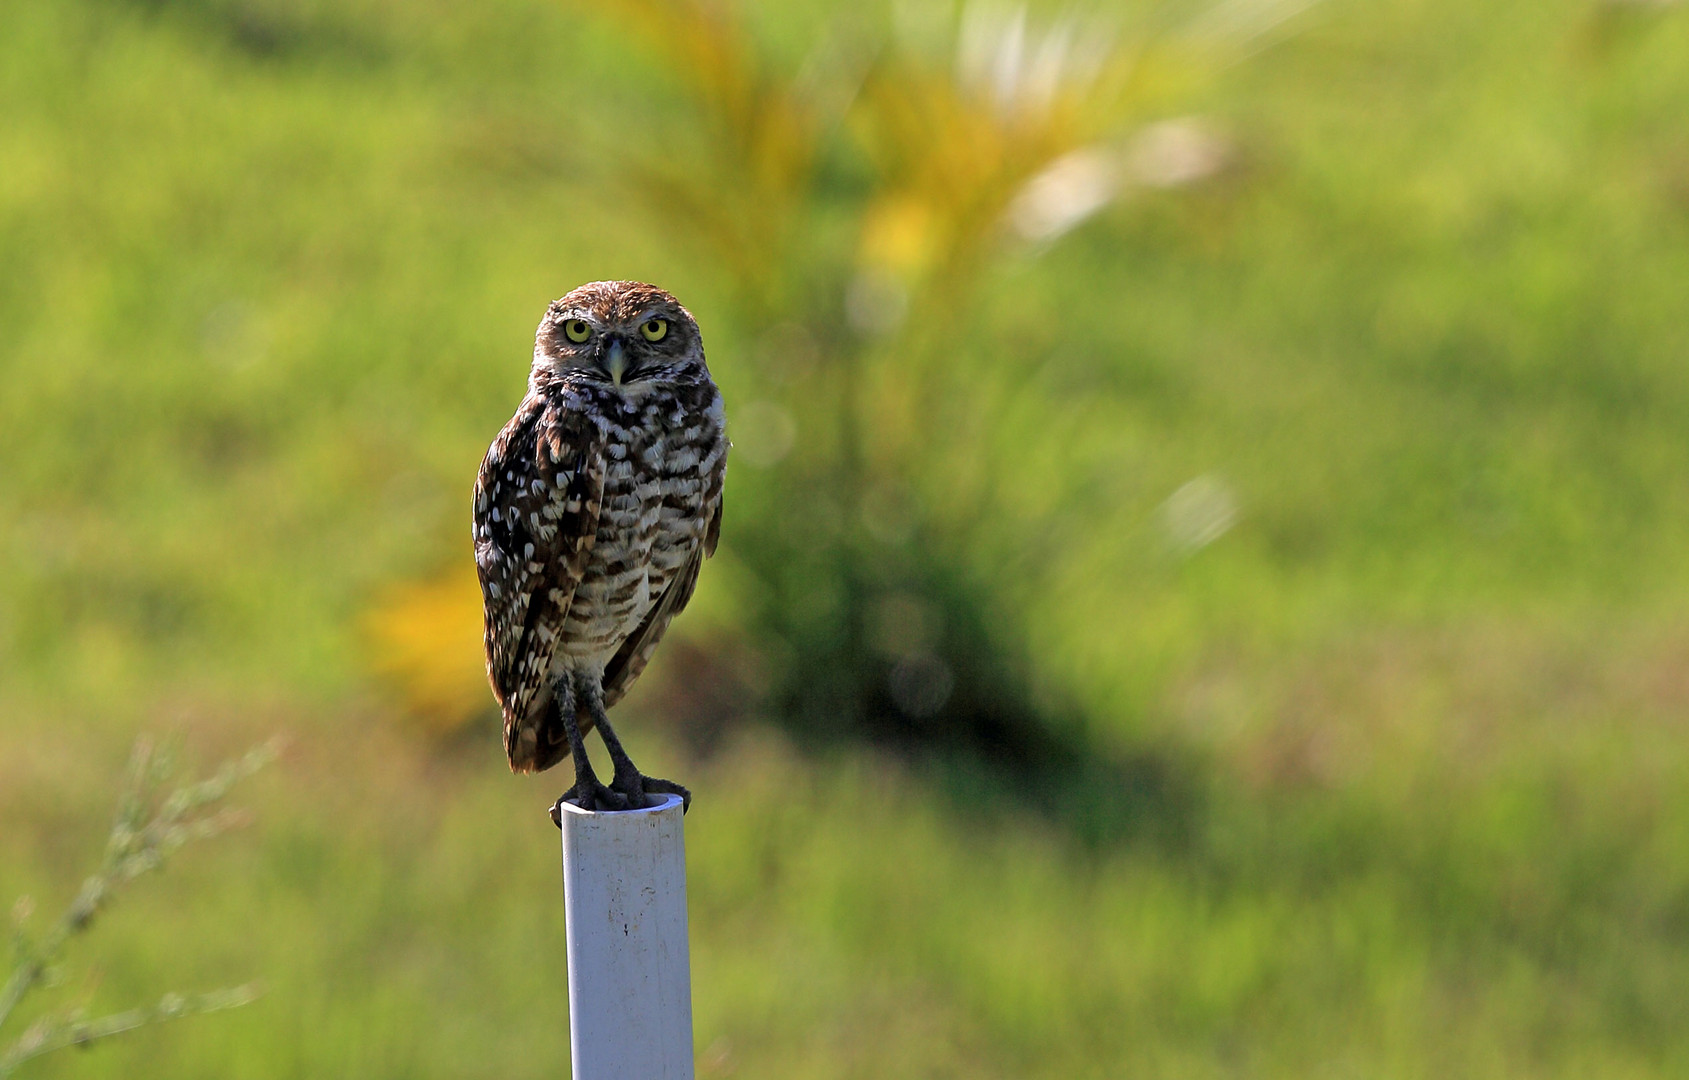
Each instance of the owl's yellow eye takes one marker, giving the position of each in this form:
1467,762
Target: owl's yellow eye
577,330
654,329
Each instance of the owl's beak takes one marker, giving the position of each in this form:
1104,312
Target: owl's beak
616,360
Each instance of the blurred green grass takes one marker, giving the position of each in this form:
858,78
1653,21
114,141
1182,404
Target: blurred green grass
1409,734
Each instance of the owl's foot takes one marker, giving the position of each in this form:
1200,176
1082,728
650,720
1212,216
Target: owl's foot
635,786
589,795
632,796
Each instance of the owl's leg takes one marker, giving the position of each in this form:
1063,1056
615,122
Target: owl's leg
587,793
628,780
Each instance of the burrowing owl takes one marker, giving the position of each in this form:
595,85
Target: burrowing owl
594,509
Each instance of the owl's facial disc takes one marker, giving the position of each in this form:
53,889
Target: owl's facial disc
634,341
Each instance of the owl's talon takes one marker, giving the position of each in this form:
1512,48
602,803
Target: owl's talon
668,787
631,784
597,799
637,788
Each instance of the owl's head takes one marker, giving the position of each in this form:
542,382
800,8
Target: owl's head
623,334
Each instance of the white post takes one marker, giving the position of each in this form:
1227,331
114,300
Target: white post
630,971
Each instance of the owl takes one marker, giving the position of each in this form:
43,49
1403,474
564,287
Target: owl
594,509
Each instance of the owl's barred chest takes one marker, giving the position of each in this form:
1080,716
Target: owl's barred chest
656,454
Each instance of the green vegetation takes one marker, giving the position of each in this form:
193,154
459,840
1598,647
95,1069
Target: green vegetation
147,831
1306,538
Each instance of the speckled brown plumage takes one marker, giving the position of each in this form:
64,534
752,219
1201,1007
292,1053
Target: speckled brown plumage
594,509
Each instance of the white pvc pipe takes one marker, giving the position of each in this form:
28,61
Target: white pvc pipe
630,971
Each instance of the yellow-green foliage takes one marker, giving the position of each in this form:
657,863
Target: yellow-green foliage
1333,501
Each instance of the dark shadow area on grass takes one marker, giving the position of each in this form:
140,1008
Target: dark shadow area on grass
270,30
947,697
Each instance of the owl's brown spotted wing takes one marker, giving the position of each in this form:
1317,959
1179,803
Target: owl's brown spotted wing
537,501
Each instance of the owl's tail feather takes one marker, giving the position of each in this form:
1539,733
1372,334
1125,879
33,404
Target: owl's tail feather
536,743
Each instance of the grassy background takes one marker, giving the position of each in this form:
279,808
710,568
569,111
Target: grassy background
1399,757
